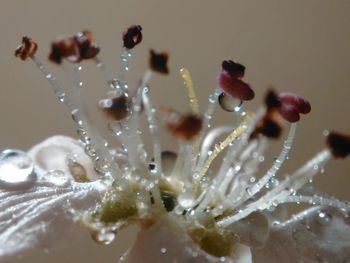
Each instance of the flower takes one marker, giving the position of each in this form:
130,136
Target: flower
187,210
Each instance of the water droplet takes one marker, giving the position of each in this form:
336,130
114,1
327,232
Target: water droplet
16,169
324,217
229,103
103,236
89,150
48,76
61,97
163,250
186,200
102,166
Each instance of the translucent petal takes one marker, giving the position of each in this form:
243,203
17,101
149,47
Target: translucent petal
39,215
316,235
167,241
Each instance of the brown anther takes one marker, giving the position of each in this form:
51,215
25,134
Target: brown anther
64,48
272,100
184,127
86,44
117,108
268,127
158,62
132,36
74,49
26,49
339,144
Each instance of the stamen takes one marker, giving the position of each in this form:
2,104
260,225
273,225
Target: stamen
276,165
191,94
288,187
221,146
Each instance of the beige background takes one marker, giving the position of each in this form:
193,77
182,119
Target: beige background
300,46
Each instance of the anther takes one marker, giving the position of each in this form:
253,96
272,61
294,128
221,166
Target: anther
26,49
132,36
158,62
339,144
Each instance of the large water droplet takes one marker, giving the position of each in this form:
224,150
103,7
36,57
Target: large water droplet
16,170
103,236
229,103
186,200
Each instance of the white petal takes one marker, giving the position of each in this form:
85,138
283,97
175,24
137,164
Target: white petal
35,212
167,242
316,235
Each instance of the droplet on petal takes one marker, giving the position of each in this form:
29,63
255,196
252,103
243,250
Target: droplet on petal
185,127
132,36
158,62
16,170
26,49
117,108
339,144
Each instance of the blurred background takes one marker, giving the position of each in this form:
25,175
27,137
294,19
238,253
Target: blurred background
298,46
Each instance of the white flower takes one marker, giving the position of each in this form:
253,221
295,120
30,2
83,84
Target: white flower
187,210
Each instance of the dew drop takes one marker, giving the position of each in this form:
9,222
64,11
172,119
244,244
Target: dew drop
163,250
103,237
323,217
229,103
16,169
62,97
186,200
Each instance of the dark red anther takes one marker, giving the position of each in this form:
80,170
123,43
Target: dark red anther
234,69
185,127
339,144
26,49
268,127
132,36
159,62
118,108
292,105
302,105
235,87
231,83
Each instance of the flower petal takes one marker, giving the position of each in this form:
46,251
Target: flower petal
316,235
38,215
167,241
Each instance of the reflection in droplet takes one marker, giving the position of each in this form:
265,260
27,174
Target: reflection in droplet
103,236
168,162
229,103
16,169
